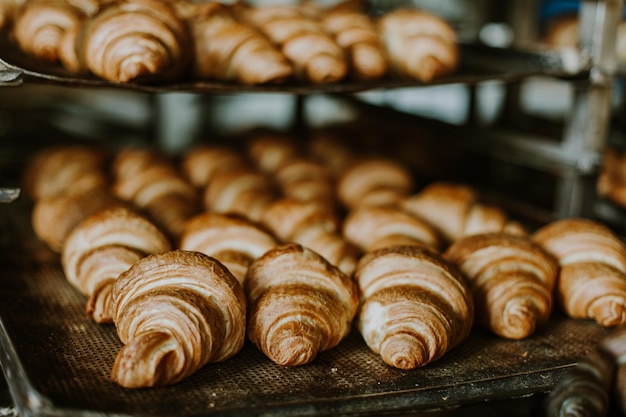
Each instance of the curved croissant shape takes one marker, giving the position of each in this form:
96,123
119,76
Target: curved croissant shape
202,164
314,54
175,312
418,44
135,40
373,181
229,50
233,240
305,179
299,304
312,226
415,305
269,149
64,170
372,227
592,279
103,246
455,211
512,280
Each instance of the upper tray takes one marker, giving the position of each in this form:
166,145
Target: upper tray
478,63
57,361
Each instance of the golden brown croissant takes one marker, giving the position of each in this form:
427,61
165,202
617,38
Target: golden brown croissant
305,179
54,218
153,183
299,304
175,312
375,227
313,226
232,240
592,278
512,280
455,211
201,164
101,247
229,50
314,54
415,305
418,44
374,181
47,29
357,34
244,191
135,41
65,169
269,149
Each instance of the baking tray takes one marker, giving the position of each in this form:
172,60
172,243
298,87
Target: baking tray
57,361
478,63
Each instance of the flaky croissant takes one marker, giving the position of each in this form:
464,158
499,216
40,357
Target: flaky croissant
415,305
305,179
230,50
135,41
314,54
592,277
512,280
268,149
313,226
103,246
418,44
232,240
175,312
203,163
299,304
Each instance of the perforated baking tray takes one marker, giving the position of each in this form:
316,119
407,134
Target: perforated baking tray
57,361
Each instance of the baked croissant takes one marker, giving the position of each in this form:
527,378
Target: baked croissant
592,277
375,227
415,305
357,34
232,240
229,50
611,182
312,226
47,29
153,183
314,54
135,41
101,247
201,164
54,218
269,149
65,169
418,44
305,179
374,181
512,280
175,312
299,304
8,12
455,211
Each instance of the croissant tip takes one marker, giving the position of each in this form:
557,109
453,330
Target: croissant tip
609,314
294,351
520,321
404,352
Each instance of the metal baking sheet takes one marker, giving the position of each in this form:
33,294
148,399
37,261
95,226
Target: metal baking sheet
57,361
478,63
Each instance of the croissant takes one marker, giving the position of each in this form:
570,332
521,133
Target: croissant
314,54
65,169
175,312
101,247
373,227
418,44
54,218
326,145
585,390
611,182
305,179
229,50
373,181
244,191
415,305
455,211
8,12
232,240
312,226
201,164
269,149
47,29
299,304
135,41
153,183
592,278
357,34
512,279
